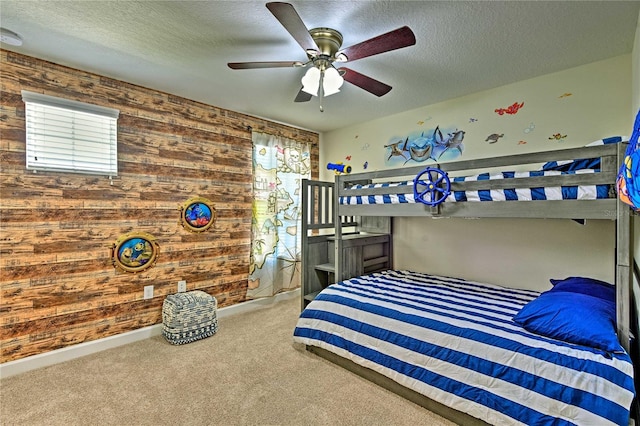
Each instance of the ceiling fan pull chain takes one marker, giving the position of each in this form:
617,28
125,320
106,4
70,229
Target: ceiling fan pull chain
321,89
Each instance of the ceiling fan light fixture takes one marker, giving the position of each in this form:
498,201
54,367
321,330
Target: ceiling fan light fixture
311,81
332,81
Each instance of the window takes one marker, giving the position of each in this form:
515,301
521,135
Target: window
279,165
70,136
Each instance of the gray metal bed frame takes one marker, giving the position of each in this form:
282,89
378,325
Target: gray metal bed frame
322,207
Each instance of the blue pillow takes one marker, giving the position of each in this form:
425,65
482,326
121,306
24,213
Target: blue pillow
586,163
606,141
588,286
572,165
572,317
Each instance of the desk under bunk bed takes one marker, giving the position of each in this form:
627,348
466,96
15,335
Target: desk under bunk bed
465,349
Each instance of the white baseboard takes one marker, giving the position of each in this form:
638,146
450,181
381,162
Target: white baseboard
23,365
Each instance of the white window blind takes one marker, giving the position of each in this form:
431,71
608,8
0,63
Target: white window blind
70,136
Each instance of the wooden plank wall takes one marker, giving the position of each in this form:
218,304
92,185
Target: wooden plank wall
57,283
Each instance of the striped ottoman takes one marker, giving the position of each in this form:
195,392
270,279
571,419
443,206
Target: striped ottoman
190,316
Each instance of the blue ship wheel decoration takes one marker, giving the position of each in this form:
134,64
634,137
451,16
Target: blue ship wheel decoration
197,214
431,182
134,252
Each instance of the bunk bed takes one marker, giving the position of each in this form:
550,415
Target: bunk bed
470,351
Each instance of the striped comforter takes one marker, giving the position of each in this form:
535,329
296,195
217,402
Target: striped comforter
405,192
455,342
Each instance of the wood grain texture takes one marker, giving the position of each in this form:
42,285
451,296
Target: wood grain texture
58,286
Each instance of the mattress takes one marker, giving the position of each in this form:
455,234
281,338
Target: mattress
402,192
455,342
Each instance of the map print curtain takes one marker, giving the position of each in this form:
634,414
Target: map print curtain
279,165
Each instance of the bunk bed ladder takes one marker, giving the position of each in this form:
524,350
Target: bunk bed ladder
318,237
368,249
364,243
317,214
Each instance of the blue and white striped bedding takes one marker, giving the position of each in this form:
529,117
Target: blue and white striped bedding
455,342
582,192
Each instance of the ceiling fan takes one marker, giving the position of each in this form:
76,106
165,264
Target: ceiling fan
323,48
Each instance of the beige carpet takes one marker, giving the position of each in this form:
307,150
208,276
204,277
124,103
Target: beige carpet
249,373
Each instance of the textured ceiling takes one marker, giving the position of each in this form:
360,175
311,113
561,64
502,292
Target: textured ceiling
182,48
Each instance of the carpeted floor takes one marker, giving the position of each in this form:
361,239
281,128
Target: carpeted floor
249,373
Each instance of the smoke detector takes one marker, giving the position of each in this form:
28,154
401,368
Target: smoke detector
9,37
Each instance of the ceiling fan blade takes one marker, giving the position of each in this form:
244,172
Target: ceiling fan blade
291,21
396,39
254,65
369,84
302,97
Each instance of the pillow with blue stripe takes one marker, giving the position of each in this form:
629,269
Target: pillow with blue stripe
588,286
574,318
585,163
